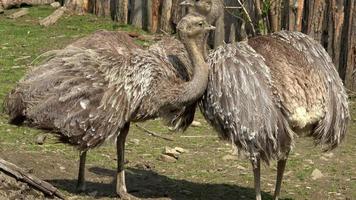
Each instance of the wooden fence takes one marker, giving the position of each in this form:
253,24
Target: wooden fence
331,22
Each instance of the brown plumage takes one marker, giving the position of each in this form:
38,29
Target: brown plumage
262,92
89,92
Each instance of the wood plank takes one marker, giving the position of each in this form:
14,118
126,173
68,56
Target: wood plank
32,180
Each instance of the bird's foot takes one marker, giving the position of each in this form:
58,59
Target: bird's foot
126,196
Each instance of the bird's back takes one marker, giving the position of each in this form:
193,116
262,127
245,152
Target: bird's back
306,82
297,84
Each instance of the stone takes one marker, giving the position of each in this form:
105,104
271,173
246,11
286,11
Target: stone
180,150
229,157
329,155
196,124
135,141
316,174
40,139
167,158
56,4
171,152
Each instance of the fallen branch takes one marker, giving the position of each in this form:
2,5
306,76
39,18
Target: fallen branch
248,17
20,13
153,133
53,18
198,136
35,182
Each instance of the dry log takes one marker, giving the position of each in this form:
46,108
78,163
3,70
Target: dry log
53,18
33,181
20,13
77,6
7,4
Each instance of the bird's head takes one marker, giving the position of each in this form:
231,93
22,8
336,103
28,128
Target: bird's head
202,7
193,26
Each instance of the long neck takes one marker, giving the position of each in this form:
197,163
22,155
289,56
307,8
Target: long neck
189,92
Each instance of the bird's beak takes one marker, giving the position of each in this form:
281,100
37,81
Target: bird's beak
186,3
210,28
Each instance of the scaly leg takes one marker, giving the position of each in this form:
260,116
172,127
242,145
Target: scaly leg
120,145
256,175
81,186
280,171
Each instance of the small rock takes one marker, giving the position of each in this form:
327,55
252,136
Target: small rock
241,167
196,124
93,194
329,155
180,150
229,157
62,168
316,174
171,152
167,158
56,4
309,161
135,141
40,139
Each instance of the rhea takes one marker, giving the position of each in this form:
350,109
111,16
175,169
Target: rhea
88,95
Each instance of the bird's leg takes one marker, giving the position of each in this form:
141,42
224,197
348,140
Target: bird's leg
256,174
81,186
120,145
280,170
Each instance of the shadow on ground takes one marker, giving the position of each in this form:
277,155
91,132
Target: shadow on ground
149,184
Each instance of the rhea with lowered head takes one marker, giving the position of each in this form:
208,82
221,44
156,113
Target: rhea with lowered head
90,95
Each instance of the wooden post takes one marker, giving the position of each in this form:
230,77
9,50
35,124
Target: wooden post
335,26
316,19
153,12
166,16
137,9
123,12
349,54
275,15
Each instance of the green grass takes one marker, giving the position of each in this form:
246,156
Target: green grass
199,174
